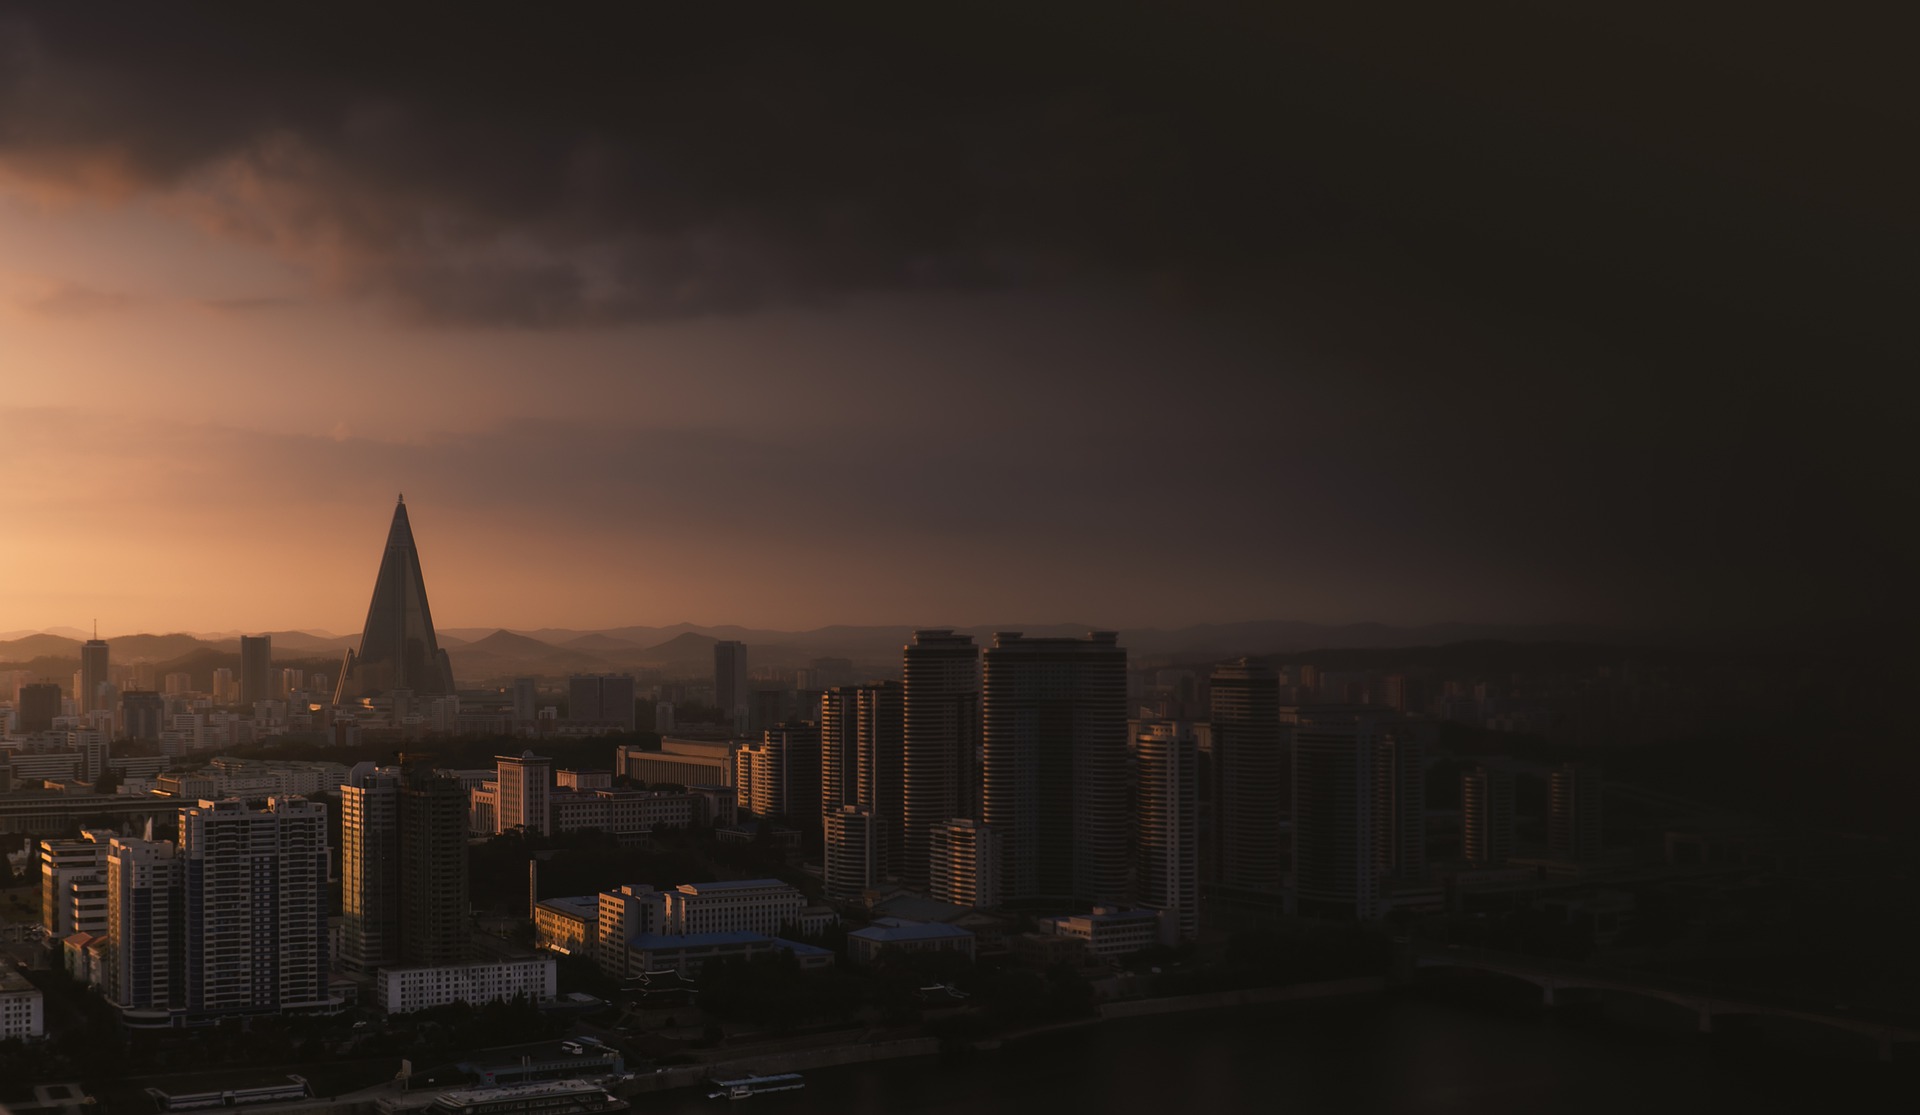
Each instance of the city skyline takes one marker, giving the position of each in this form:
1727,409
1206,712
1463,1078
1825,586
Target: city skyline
1218,314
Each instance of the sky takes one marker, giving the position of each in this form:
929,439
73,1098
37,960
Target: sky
911,314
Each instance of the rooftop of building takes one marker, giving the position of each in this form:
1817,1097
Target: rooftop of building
576,905
800,948
655,941
731,885
887,930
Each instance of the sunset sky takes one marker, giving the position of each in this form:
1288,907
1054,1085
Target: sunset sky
1143,319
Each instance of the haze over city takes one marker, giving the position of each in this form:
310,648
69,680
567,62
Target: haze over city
1176,320
1011,557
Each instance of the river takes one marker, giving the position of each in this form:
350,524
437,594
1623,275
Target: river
1373,1055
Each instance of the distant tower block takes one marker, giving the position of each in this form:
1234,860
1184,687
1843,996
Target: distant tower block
398,649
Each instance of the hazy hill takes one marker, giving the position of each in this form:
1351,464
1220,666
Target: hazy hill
684,648
40,646
596,641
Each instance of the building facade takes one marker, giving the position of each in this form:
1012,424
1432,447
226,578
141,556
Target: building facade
253,894
1055,780
1249,778
1167,824
940,690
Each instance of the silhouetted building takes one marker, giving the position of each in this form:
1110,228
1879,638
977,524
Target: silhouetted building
256,669
1166,843
39,704
143,714
398,648
1486,814
1573,813
1055,781
1359,810
606,698
730,681
525,700
434,884
941,694
1250,777
93,675
403,866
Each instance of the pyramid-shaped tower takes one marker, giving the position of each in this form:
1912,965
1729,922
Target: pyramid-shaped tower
398,649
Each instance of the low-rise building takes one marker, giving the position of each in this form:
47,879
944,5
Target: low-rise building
22,1009
890,936
1108,932
568,926
403,990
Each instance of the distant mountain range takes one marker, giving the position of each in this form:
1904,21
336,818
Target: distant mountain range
483,655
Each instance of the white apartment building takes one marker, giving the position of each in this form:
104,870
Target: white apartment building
963,863
66,867
22,1009
402,990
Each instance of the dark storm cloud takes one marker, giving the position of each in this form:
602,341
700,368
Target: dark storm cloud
1621,293
490,164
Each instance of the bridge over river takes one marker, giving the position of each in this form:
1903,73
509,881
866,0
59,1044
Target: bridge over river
1562,982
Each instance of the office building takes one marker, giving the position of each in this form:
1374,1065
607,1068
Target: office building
93,676
398,647
1573,813
1055,780
683,762
525,788
1486,814
963,863
1359,810
1249,778
601,699
940,686
253,893
730,682
525,701
1166,843
256,669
